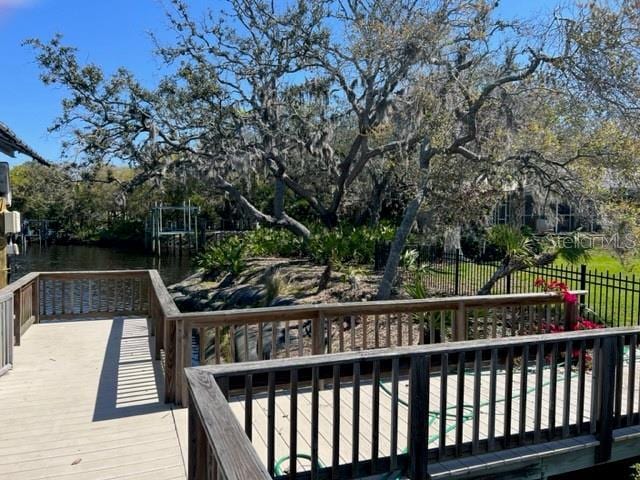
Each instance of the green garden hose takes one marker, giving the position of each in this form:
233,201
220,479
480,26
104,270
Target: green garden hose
277,468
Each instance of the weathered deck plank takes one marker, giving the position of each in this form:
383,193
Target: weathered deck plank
85,402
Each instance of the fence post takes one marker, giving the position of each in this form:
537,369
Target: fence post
583,281
508,283
460,331
418,403
457,270
607,362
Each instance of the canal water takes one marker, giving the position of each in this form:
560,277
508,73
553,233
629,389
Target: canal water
80,257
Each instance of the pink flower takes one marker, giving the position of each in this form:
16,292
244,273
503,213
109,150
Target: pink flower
569,297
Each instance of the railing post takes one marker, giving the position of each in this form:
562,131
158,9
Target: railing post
17,313
179,359
508,283
418,406
186,352
35,306
606,365
317,334
170,361
457,272
460,330
570,315
197,445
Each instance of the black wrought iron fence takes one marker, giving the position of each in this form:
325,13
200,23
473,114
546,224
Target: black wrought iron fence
613,298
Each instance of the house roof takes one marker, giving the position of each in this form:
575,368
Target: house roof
10,143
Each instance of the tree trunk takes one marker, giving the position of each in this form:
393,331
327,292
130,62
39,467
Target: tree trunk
502,271
509,266
399,242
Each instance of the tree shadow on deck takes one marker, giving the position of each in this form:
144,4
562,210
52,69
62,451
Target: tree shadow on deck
131,380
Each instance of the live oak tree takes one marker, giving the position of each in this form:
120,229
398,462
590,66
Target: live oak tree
331,102
589,57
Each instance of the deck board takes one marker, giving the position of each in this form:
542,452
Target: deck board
83,402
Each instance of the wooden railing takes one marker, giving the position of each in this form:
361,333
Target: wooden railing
6,332
267,333
442,402
42,296
303,330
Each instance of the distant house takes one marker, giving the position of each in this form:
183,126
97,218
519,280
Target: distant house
10,144
523,207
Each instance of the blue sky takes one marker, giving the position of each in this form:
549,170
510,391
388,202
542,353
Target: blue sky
111,33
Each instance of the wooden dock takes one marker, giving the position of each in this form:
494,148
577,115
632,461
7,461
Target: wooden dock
85,401
94,367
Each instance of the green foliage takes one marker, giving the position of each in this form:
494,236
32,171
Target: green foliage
264,242
572,250
227,256
511,240
345,245
415,286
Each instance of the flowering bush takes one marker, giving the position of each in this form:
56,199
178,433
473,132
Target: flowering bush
581,323
556,286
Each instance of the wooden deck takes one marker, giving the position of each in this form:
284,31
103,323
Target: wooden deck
85,401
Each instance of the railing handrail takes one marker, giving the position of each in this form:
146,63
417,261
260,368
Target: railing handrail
305,311
165,300
331,359
235,456
19,283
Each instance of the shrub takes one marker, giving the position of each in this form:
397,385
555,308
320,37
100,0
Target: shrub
344,245
227,256
273,242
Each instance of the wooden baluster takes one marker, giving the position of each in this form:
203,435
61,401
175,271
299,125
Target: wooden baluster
274,335
248,405
217,344
493,370
460,387
553,389
477,372
355,422
315,417
271,422
538,402
522,423
566,400
365,332
631,379
293,423
395,378
508,390
335,443
442,425
418,401
375,415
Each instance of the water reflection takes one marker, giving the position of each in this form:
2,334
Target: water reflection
78,257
